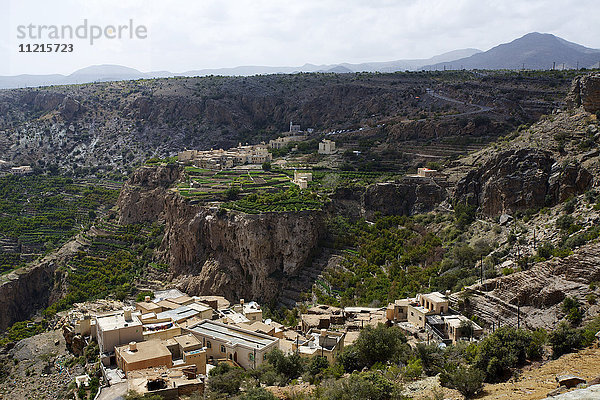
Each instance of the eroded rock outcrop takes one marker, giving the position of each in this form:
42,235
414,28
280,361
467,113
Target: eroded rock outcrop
408,196
585,91
29,289
234,254
214,251
519,180
538,291
143,196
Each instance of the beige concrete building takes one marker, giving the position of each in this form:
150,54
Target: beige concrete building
146,307
222,341
398,310
117,329
169,383
321,342
250,310
22,170
179,351
426,172
302,178
327,147
434,301
142,355
431,312
220,159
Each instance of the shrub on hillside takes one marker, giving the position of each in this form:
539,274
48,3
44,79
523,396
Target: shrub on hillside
467,380
565,339
503,350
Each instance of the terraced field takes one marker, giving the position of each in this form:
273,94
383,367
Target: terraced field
211,185
116,259
38,213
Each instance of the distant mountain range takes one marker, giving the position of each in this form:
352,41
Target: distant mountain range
532,51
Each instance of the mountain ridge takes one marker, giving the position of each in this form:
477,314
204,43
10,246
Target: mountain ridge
532,51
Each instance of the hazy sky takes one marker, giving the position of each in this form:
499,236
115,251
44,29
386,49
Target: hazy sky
186,35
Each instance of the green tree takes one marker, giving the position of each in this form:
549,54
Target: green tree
564,339
315,368
266,166
467,380
289,366
225,379
572,308
380,344
257,394
360,386
349,359
504,349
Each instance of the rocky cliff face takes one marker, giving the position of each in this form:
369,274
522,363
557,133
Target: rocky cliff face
585,91
408,196
25,291
143,196
519,180
213,251
238,255
539,291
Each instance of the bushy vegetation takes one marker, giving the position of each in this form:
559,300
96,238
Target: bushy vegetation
566,338
22,330
110,267
292,199
504,350
468,380
398,256
41,212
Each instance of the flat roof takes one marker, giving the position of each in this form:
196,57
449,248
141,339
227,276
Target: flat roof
148,305
116,321
436,297
222,302
167,294
235,317
232,335
200,307
147,350
178,314
257,326
186,341
168,304
182,299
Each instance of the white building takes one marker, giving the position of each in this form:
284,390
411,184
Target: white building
302,178
223,341
118,329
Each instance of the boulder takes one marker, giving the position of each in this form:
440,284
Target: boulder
569,381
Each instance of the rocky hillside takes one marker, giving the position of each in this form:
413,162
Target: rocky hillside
539,191
106,126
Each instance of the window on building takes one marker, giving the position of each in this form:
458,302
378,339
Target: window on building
223,349
208,345
265,356
420,319
412,314
250,356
